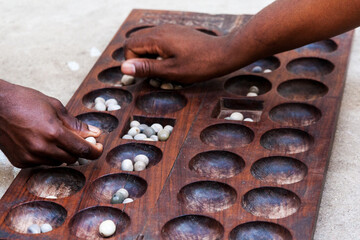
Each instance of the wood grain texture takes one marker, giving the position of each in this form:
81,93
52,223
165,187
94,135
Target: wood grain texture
213,178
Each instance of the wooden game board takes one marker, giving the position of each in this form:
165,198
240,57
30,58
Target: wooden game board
213,178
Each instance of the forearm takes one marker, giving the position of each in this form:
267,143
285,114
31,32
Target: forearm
5,87
288,24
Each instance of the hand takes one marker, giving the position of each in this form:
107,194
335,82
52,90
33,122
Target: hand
36,129
188,54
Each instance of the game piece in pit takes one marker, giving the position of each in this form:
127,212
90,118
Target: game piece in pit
128,200
163,135
236,116
34,229
167,86
248,120
157,127
140,136
127,136
107,228
142,158
133,131
113,107
134,123
91,140
127,80
267,71
254,89
251,94
139,166
45,228
257,69
100,106
127,165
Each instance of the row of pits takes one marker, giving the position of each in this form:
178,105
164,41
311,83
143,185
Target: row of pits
85,223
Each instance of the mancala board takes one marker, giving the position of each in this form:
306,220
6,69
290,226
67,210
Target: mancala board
213,178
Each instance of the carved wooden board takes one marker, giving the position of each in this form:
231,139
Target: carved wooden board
213,178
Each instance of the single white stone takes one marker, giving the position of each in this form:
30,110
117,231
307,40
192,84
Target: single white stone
34,229
91,140
248,120
141,158
111,101
267,71
157,127
149,139
127,80
74,66
94,52
83,161
51,197
45,228
99,106
159,58
155,83
123,191
107,228
169,128
149,131
227,118
140,137
237,116
163,135
99,99
251,94
127,165
133,131
254,89
154,137
257,69
128,200
74,164
139,166
142,127
134,123
113,107
167,86
127,136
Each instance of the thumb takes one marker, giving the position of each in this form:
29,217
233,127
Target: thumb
144,67
80,128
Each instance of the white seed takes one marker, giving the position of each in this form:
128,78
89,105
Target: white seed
257,69
140,137
127,80
99,99
267,71
142,127
154,137
236,116
127,136
178,87
99,106
83,161
111,101
157,127
155,83
167,86
251,94
248,120
142,158
169,128
107,228
227,118
34,229
133,131
51,197
254,89
139,166
134,123
163,135
159,58
91,140
74,164
128,200
127,165
113,107
123,191
46,228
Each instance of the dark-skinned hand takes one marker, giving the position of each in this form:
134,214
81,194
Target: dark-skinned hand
37,130
188,54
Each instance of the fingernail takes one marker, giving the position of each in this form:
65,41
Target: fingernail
128,68
93,129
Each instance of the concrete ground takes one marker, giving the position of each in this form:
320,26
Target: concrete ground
41,40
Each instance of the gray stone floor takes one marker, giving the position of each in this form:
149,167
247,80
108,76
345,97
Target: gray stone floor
39,38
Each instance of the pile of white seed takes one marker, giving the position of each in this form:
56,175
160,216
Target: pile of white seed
126,80
139,163
142,132
121,196
156,83
237,116
106,105
253,91
107,228
258,69
36,229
